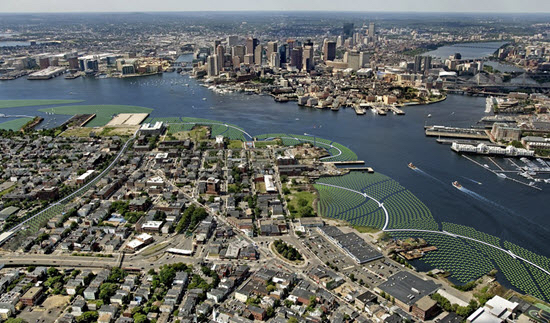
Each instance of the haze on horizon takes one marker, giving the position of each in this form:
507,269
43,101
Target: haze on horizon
469,6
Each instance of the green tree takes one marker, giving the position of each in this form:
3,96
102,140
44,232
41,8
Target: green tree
140,318
88,317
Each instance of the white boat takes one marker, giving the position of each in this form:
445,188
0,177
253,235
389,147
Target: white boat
429,115
501,175
204,99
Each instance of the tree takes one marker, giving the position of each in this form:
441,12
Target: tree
140,318
270,312
88,317
106,291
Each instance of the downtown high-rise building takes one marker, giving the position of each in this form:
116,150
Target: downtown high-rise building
251,44
274,60
271,48
232,41
211,66
307,57
347,29
283,53
296,58
220,54
372,32
239,51
258,55
329,50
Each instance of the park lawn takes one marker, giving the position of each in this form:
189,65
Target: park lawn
118,131
296,196
30,103
77,132
263,144
235,144
15,124
199,133
104,113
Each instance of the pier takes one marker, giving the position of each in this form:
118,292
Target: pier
508,178
350,162
368,169
396,110
467,133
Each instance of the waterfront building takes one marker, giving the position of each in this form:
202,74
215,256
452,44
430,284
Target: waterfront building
220,58
211,66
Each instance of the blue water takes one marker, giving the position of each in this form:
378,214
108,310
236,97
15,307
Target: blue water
386,143
468,50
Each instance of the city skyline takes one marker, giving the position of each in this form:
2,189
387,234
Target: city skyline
468,6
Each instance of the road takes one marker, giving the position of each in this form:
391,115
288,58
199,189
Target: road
69,197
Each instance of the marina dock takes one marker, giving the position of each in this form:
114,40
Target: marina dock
467,133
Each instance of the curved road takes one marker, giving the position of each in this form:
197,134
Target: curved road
508,252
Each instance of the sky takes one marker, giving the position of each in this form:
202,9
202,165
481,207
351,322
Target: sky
485,6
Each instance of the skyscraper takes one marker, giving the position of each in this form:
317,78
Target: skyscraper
251,44
258,55
220,57
329,50
308,62
418,63
348,30
372,32
271,48
296,58
232,40
211,66
282,53
239,51
427,63
274,60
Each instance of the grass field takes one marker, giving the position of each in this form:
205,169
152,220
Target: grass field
337,151
77,132
235,144
103,113
15,124
31,103
299,200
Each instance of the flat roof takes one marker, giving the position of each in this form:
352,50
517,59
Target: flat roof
408,288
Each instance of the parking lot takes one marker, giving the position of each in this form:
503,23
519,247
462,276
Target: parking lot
371,273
